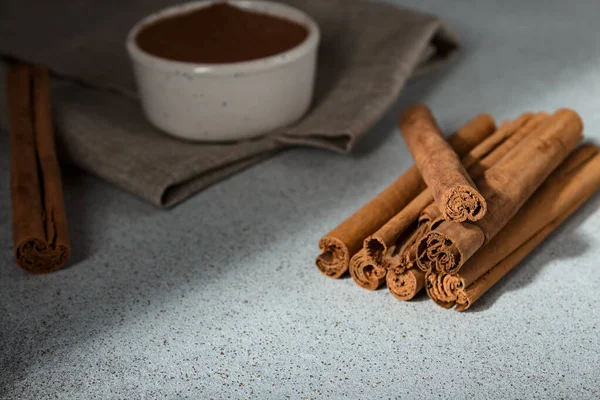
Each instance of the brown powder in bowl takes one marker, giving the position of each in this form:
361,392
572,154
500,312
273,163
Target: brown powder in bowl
220,33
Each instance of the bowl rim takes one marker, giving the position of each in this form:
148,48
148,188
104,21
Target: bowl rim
269,7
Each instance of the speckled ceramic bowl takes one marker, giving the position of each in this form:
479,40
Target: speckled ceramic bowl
224,102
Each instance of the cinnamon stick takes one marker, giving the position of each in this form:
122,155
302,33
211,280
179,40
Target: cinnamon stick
339,245
506,186
376,258
452,187
405,284
40,235
365,271
573,183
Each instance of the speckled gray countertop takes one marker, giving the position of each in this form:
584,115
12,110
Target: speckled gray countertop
220,298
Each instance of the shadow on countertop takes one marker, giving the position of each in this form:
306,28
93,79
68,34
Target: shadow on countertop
572,244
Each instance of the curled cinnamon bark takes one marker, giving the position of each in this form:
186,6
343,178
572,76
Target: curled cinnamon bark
403,254
335,256
369,272
40,235
446,248
506,186
366,272
452,187
444,289
404,279
491,149
376,256
377,244
339,245
405,284
573,183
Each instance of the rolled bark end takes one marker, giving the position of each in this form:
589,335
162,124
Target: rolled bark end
334,258
444,289
366,272
405,284
36,256
375,248
436,252
448,247
463,302
569,120
463,203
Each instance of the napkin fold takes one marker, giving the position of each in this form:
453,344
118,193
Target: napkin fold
368,51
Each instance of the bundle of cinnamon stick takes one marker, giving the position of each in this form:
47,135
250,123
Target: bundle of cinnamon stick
40,235
469,210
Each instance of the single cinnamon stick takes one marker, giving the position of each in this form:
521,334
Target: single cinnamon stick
452,187
377,258
573,183
506,186
404,284
40,235
365,271
339,245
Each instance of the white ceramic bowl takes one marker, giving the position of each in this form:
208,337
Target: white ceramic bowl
224,102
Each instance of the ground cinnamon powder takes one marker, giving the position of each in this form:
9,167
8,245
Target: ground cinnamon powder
220,33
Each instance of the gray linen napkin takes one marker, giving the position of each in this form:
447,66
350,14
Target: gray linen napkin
368,51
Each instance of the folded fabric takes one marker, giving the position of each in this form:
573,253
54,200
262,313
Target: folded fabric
367,53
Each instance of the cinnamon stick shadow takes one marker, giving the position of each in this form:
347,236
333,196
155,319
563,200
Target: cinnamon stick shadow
75,189
572,245
421,296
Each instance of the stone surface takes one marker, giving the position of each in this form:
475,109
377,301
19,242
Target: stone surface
220,297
